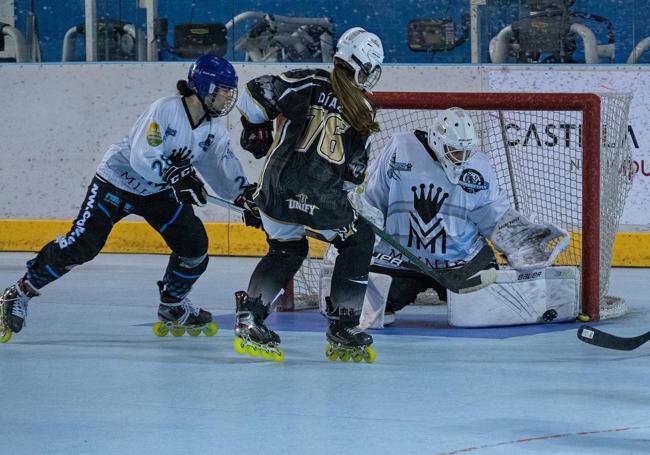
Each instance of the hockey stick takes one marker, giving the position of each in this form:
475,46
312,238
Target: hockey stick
597,337
469,278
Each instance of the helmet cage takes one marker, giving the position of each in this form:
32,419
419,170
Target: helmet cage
208,102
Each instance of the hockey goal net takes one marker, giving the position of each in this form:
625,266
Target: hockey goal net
561,157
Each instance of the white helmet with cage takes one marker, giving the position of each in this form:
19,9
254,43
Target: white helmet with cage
452,138
364,53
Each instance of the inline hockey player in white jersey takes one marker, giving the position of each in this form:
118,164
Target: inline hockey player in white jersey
440,198
152,173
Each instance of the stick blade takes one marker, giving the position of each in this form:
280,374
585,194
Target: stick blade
593,336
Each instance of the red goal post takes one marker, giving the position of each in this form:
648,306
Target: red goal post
585,148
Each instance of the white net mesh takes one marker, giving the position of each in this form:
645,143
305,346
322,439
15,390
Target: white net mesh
537,156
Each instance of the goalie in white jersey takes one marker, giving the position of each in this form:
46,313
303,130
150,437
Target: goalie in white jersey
151,173
440,199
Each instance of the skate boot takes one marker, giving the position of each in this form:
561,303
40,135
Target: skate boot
346,340
252,336
13,308
178,315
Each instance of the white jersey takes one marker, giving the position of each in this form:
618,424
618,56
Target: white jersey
442,224
164,134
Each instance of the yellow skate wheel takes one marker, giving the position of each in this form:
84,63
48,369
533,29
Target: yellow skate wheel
331,353
345,356
159,329
6,336
357,358
178,331
240,345
583,317
370,355
193,332
252,350
266,355
278,356
211,329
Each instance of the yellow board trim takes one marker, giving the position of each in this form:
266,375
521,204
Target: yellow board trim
631,249
225,239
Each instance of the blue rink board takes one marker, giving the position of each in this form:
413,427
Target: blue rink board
406,324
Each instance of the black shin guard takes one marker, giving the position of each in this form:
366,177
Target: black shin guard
350,277
275,270
182,273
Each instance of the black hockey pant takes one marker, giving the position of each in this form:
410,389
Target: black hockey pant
104,206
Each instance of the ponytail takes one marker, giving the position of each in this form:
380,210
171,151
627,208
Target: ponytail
183,88
356,106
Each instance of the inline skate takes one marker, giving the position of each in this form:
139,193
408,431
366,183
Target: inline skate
252,336
177,315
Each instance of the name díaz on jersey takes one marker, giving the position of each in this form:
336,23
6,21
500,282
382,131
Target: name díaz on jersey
328,100
80,222
301,204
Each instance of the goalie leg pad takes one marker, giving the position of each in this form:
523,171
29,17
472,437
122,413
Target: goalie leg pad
542,296
374,302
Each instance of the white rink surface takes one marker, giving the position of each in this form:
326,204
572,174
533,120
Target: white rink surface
86,376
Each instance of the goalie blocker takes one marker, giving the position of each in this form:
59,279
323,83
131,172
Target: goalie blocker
532,297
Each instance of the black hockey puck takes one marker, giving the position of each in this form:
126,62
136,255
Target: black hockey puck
549,315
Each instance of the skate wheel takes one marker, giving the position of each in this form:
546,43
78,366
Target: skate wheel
278,356
194,332
159,329
266,355
252,350
178,331
331,353
345,356
6,336
211,329
357,358
240,345
370,355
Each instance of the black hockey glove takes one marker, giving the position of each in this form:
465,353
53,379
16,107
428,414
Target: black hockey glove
187,186
251,214
256,137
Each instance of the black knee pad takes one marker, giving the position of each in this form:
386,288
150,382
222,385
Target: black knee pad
293,252
274,270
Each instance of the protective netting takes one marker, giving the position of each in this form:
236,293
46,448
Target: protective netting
538,158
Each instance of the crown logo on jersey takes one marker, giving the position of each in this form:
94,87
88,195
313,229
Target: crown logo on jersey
428,206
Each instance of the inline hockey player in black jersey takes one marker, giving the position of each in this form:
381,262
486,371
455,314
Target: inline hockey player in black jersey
152,173
324,121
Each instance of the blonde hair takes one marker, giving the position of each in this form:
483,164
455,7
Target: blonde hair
356,107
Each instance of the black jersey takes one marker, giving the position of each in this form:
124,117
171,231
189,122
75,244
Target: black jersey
315,150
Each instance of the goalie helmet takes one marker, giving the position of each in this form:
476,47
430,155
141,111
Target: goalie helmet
207,75
364,53
452,138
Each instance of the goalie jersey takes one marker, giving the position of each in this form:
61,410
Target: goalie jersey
315,150
441,223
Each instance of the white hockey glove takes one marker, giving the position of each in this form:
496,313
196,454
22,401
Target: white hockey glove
528,245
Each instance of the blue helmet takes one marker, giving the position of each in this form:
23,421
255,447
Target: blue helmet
206,76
